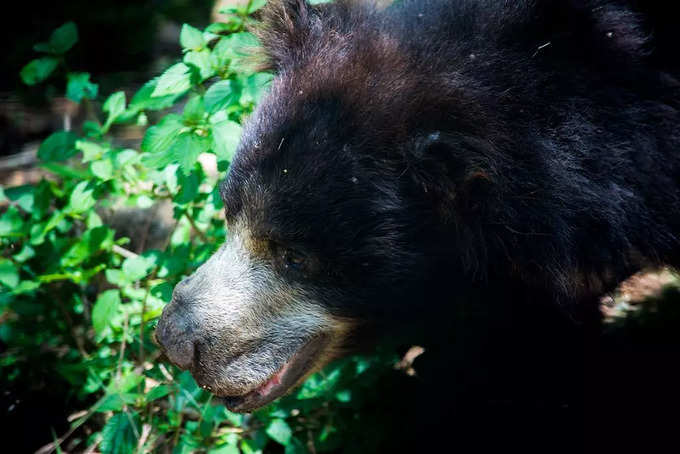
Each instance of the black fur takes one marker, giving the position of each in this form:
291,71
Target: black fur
455,159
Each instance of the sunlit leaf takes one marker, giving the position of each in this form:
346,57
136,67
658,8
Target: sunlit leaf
102,169
220,95
279,431
194,111
175,80
226,135
9,274
105,307
202,61
82,198
143,99
225,449
160,137
255,5
135,268
191,38
115,106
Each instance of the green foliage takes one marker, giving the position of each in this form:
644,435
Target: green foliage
58,147
120,434
71,288
62,39
79,87
38,70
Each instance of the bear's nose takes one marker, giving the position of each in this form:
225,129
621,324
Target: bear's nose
175,336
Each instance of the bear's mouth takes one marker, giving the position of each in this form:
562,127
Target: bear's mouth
289,374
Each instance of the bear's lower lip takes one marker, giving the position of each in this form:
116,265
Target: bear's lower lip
288,375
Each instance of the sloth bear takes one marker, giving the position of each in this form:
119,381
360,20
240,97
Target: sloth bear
468,175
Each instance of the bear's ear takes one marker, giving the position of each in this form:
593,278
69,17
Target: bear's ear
284,30
451,171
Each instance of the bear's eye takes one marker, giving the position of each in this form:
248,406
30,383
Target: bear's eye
294,260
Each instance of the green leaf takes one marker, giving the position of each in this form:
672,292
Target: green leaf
318,385
160,137
93,220
115,106
42,47
92,129
184,150
254,87
66,171
11,223
279,431
90,243
190,184
219,28
9,274
225,449
118,435
344,396
143,99
102,169
115,402
226,135
162,291
295,447
175,80
125,383
58,146
202,61
26,253
194,111
191,38
79,87
250,446
63,38
105,307
234,50
157,392
136,268
38,70
81,199
255,5
23,196
116,277
91,150
42,198
220,95
25,287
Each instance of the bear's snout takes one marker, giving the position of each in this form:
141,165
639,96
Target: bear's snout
177,337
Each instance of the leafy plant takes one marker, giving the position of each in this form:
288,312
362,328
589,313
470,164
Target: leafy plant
79,299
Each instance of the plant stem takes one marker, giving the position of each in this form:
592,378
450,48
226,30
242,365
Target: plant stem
122,349
195,228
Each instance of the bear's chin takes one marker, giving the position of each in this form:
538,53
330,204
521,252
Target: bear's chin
290,374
